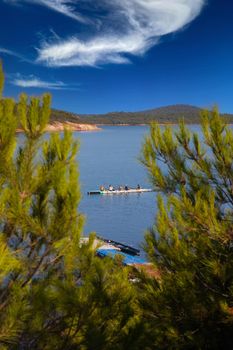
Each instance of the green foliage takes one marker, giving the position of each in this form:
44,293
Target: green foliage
54,292
89,313
35,117
191,305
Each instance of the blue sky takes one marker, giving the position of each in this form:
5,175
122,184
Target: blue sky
97,56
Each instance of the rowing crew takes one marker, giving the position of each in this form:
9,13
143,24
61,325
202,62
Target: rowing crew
120,188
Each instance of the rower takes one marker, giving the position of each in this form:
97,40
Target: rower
111,188
126,188
102,188
138,187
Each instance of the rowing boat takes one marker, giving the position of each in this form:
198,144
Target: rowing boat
131,190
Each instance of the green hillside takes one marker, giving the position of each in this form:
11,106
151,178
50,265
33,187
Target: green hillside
168,114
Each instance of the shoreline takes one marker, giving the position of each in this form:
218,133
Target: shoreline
71,126
148,124
61,126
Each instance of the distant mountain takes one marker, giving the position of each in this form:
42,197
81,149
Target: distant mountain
164,115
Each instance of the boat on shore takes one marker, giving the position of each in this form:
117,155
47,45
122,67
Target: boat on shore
122,247
110,248
130,190
107,248
127,259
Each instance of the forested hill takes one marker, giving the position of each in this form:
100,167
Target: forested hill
169,114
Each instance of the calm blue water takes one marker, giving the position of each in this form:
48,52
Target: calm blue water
110,156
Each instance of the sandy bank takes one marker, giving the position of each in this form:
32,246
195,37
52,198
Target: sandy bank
60,126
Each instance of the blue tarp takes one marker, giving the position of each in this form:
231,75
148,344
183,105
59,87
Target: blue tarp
127,259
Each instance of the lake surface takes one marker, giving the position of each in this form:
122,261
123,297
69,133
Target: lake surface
110,156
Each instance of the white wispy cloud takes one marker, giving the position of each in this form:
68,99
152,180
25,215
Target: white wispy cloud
4,51
34,82
128,27
65,7
142,23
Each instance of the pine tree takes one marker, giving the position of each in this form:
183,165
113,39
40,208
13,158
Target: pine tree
191,243
54,292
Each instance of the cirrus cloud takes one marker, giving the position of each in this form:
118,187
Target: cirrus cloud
141,24
35,82
125,28
65,7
